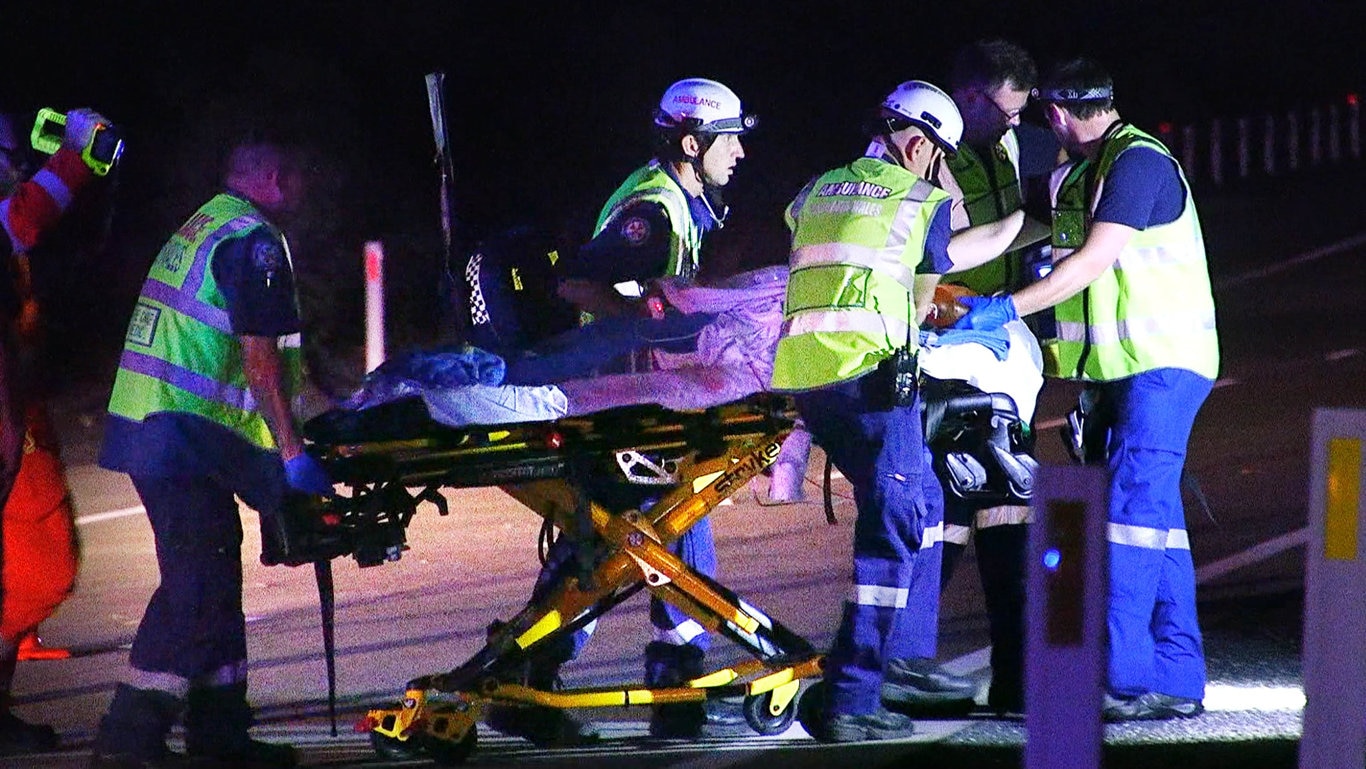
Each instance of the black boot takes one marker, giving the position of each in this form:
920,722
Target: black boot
216,725
543,726
671,665
16,735
132,734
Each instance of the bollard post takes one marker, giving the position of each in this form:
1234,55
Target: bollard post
1334,735
1292,141
1353,127
1269,145
1315,137
1216,151
1334,134
374,305
1068,589
1244,147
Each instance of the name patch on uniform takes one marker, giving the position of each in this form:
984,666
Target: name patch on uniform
635,230
142,329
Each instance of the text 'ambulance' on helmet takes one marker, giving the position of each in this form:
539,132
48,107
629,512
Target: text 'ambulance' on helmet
703,106
931,109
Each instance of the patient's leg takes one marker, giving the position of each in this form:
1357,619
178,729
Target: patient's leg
581,352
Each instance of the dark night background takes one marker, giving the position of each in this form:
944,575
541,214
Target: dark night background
549,106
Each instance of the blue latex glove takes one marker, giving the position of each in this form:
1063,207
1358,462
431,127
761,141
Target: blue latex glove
987,313
306,474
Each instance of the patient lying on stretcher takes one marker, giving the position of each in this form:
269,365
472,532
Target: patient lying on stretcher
711,345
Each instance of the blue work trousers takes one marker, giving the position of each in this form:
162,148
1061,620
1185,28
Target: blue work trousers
880,449
193,629
696,548
1154,635
588,349
917,629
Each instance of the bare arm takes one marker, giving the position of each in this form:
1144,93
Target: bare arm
265,375
978,245
924,296
1104,242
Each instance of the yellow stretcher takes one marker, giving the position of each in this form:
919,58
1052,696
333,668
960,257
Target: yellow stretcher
688,461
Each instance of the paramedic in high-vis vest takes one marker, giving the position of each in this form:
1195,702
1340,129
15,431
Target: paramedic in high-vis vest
869,242
199,415
651,227
1136,323
990,81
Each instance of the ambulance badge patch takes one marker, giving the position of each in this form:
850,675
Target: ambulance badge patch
636,230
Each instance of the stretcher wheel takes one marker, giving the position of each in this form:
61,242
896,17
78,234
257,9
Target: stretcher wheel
762,720
811,708
394,749
451,752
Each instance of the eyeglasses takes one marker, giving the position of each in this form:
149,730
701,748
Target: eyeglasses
1011,115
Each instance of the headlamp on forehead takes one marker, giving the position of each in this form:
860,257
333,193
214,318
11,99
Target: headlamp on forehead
1099,93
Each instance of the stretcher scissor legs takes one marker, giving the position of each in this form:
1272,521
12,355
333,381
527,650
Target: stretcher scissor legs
632,548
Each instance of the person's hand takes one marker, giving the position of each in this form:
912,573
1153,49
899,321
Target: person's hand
306,474
80,127
987,313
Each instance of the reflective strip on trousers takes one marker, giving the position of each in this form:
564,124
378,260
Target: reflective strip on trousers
877,595
682,633
932,535
1148,538
170,683
1003,515
957,534
232,673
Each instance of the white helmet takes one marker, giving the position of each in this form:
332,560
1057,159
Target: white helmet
702,105
931,109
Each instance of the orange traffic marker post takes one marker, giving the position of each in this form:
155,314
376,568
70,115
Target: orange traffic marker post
1068,584
1334,599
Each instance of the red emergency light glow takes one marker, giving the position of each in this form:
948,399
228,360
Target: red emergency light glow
1351,100
1164,127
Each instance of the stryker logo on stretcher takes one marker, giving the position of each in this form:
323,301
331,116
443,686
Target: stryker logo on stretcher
861,189
748,467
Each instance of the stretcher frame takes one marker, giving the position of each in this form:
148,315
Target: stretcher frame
703,458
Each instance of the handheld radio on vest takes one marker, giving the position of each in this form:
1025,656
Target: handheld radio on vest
100,154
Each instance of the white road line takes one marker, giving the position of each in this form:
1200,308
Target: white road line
1313,255
109,516
1258,552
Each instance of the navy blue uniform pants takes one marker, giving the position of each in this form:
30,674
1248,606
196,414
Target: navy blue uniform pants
880,450
193,630
1155,640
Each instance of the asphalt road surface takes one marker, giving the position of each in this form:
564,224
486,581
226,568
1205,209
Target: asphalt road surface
1289,267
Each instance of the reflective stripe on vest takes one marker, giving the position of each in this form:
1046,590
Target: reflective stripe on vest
858,234
1153,308
180,353
652,184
